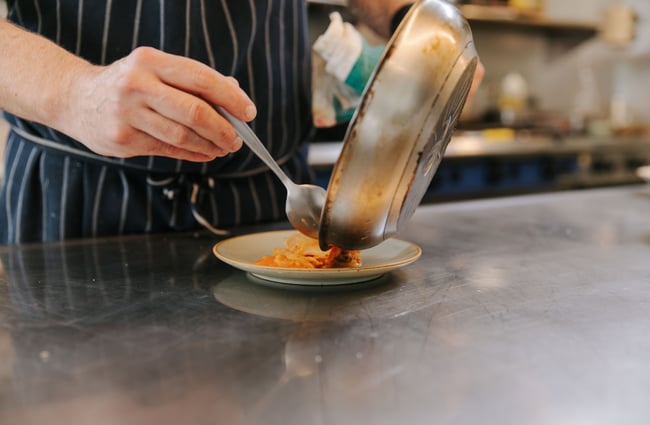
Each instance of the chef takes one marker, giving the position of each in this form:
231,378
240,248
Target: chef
113,129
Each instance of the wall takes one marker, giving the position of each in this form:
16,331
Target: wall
576,10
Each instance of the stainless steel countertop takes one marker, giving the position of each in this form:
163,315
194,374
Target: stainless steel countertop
528,310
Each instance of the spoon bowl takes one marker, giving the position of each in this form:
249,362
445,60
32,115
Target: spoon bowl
304,206
304,202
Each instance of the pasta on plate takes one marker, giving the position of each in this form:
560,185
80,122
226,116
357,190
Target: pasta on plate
303,252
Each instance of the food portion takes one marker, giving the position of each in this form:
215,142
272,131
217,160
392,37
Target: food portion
303,252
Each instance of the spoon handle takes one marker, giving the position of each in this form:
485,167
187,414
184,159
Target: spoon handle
253,142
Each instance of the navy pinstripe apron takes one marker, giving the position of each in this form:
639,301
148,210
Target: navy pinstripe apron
55,188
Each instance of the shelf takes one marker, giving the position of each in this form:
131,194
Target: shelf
503,15
476,145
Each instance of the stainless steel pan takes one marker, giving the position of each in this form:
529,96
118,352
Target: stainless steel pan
401,129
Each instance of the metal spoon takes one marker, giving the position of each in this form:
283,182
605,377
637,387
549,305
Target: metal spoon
304,202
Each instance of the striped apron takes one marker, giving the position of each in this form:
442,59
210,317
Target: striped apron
55,188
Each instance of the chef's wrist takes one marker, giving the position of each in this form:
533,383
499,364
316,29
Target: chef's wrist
398,17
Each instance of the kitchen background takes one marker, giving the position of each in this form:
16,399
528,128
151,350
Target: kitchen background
579,73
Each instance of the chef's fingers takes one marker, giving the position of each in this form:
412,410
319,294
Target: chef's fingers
193,113
145,144
178,136
199,79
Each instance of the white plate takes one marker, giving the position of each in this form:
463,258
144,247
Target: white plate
243,251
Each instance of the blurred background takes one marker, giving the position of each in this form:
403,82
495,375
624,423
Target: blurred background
565,102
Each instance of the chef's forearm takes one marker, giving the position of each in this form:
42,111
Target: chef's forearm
36,76
377,14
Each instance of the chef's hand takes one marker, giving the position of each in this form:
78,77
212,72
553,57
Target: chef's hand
154,103
476,82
